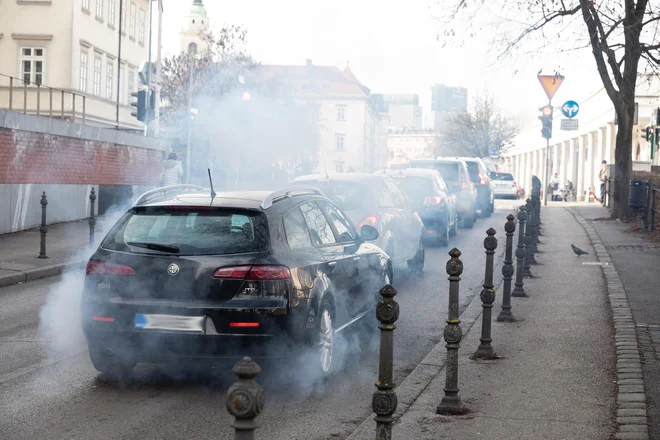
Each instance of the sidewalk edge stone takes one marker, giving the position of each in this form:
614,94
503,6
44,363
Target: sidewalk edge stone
627,427
40,272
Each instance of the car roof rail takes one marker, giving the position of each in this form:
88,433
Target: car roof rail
287,194
162,191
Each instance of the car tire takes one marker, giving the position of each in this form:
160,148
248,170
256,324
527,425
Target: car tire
111,365
454,229
324,342
490,209
416,264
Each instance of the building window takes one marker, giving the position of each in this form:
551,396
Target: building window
142,18
85,4
108,79
97,75
341,112
339,166
111,12
131,83
32,65
99,9
340,141
83,71
131,28
123,15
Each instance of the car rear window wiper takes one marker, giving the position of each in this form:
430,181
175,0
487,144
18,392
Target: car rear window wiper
155,246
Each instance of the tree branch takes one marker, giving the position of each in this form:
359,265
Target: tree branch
541,23
611,57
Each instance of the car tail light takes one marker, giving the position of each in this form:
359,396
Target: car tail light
432,200
464,185
371,220
103,319
243,324
484,179
103,268
270,272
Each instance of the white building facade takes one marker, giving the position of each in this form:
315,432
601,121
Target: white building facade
406,145
576,156
195,29
73,47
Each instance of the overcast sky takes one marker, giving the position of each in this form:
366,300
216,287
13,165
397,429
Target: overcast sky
391,47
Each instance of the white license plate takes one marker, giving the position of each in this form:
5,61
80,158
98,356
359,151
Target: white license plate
193,324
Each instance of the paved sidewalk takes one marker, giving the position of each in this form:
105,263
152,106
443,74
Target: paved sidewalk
637,261
66,246
557,378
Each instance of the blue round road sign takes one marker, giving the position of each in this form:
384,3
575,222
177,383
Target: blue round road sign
570,109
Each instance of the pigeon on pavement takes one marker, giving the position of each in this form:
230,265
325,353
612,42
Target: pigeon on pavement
578,251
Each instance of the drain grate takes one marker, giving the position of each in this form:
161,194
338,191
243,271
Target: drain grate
634,247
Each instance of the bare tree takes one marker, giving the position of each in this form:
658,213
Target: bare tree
621,34
473,133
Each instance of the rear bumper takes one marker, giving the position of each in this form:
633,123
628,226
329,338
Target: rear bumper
506,192
484,195
435,221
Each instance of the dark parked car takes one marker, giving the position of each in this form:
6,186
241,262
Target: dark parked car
483,184
186,276
455,174
430,198
376,200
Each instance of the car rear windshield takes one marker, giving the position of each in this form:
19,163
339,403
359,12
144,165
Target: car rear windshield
501,176
189,231
414,186
473,169
348,196
448,170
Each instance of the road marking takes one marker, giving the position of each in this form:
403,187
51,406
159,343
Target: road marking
595,263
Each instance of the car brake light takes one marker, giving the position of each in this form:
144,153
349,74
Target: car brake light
101,268
270,272
103,319
371,220
243,324
484,180
432,200
463,185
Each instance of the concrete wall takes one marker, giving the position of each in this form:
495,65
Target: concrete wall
66,161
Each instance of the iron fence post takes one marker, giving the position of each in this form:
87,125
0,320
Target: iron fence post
43,228
451,401
245,399
485,349
519,290
92,217
528,239
507,271
384,401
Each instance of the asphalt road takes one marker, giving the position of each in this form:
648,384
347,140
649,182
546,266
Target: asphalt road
49,389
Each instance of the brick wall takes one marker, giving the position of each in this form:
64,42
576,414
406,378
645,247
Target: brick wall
34,157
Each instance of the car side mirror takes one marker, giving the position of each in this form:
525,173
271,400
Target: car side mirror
368,233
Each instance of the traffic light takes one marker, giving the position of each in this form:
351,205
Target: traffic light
650,131
140,105
546,120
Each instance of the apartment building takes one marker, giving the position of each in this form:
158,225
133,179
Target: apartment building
73,47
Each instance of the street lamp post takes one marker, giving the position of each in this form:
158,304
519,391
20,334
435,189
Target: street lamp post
192,49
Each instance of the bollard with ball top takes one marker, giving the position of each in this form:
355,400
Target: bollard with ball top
92,218
43,228
384,401
451,402
485,349
528,240
519,290
507,271
245,399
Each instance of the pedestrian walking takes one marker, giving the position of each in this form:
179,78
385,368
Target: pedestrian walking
554,183
172,173
602,175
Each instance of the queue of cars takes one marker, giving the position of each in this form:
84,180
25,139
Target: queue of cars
190,274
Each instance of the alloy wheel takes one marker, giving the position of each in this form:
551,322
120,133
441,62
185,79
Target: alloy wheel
326,340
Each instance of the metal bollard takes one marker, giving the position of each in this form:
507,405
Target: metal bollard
92,218
536,202
245,399
528,239
507,271
451,402
519,290
384,401
43,229
531,225
485,349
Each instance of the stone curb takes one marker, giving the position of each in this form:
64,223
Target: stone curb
631,414
419,379
52,270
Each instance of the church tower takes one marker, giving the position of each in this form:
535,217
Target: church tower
195,27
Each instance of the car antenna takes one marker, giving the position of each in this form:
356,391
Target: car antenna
211,182
325,166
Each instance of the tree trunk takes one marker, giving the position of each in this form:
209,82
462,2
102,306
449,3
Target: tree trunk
623,161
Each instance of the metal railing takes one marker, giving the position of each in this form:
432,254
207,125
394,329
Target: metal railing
20,95
650,208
